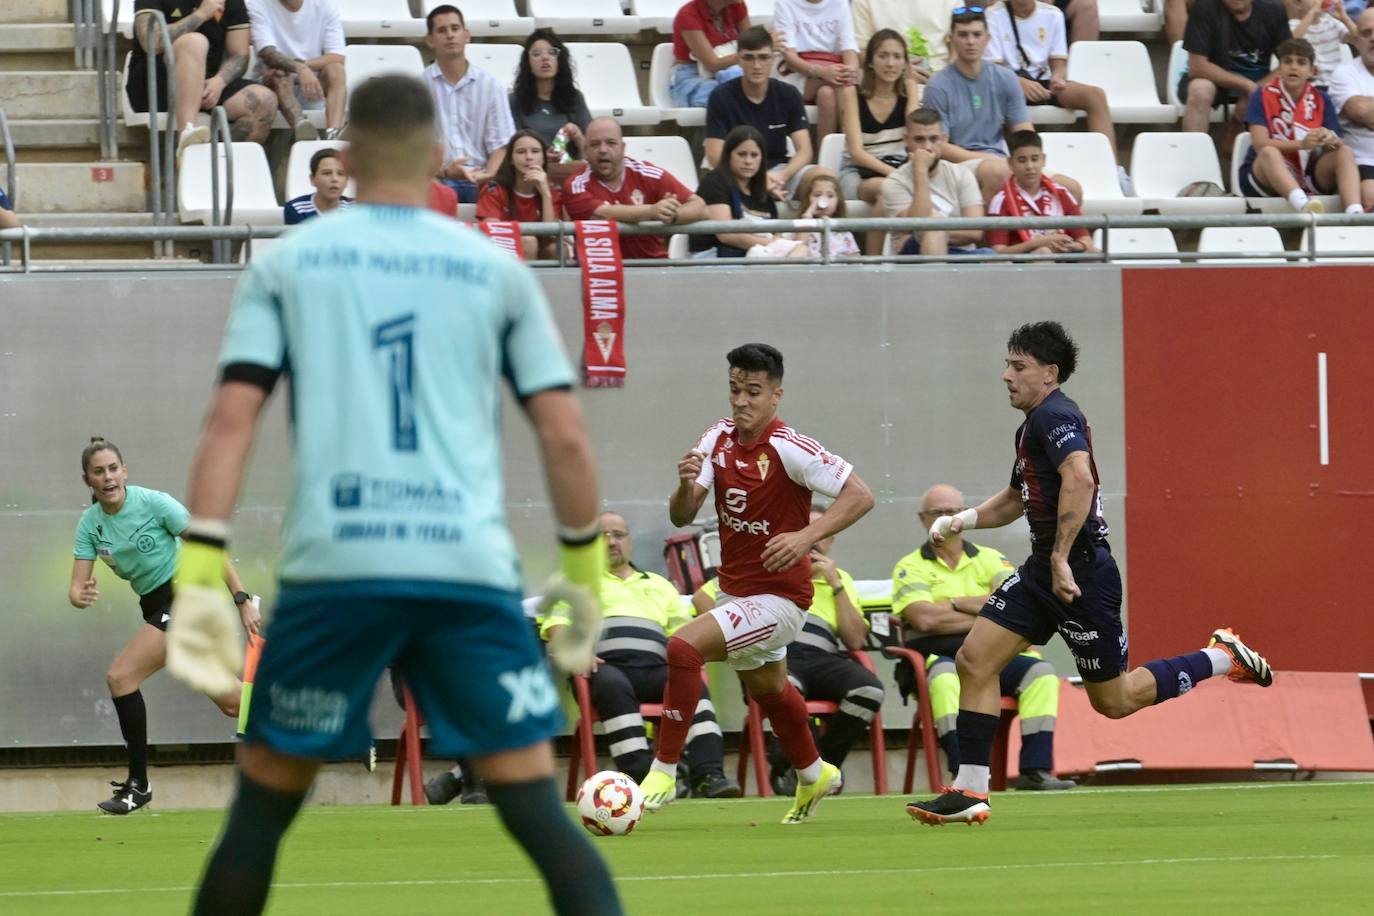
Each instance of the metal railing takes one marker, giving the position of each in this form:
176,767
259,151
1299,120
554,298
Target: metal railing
109,98
219,133
11,189
565,230
162,163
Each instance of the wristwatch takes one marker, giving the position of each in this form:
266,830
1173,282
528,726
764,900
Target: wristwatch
242,597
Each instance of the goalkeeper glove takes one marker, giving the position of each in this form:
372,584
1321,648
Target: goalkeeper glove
202,646
573,648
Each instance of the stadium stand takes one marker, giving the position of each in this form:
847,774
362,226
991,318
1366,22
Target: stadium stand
364,61
1123,70
1239,149
671,153
660,72
495,17
501,60
1139,241
1087,157
1131,15
1343,239
583,17
1177,66
1243,239
255,201
379,19
1163,165
607,77
829,157
125,15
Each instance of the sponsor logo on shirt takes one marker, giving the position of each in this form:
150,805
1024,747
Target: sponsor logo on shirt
737,501
358,491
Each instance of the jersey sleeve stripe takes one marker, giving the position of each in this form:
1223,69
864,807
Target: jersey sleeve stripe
810,446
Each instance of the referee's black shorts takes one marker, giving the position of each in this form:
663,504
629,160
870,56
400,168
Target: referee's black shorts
157,606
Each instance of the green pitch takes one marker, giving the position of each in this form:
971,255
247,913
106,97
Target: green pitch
1281,848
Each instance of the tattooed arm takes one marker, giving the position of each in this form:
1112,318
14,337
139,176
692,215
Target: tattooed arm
150,38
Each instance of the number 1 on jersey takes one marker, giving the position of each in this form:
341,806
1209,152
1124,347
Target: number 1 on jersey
396,338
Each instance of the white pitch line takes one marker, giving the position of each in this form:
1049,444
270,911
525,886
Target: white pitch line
718,876
1325,446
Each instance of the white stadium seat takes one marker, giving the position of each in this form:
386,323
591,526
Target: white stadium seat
761,12
1052,114
255,201
379,19
1239,150
126,16
1128,15
298,167
1177,66
1164,163
583,17
1343,238
495,17
656,14
501,60
1244,239
660,71
671,153
606,75
1088,158
1140,241
365,61
1123,71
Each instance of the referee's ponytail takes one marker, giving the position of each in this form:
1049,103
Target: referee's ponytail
97,444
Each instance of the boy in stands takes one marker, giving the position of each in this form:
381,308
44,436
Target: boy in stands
763,474
329,178
1029,192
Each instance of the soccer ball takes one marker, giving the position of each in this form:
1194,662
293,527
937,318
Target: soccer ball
610,804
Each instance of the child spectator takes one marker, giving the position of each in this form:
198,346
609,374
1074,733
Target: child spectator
738,189
1325,24
816,38
521,191
705,49
1296,147
329,178
874,114
1029,192
820,193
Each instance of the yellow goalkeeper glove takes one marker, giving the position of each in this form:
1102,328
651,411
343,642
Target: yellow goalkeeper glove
583,554
202,645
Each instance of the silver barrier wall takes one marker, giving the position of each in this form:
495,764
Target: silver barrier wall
896,368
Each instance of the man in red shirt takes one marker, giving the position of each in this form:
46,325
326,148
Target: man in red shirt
763,474
627,191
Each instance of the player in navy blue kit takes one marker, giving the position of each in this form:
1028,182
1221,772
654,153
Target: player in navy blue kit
1069,584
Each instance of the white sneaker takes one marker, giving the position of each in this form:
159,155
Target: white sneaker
1124,179
192,134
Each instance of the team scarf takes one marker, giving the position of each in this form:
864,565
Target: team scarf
603,303
1292,119
506,235
1042,206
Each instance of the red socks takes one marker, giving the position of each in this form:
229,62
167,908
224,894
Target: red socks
787,711
680,698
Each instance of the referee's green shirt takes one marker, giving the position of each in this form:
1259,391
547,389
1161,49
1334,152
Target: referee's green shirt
139,542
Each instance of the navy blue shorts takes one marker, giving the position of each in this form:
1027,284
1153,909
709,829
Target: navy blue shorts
477,671
1091,626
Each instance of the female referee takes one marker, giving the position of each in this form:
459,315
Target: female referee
134,530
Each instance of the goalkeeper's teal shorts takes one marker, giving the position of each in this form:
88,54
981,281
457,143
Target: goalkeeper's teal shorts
466,651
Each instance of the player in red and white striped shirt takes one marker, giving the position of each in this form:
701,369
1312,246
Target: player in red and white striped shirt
763,474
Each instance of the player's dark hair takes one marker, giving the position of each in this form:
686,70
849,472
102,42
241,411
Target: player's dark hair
390,104
1296,47
744,133
321,156
926,117
526,94
505,174
755,38
757,357
441,10
1022,139
1047,342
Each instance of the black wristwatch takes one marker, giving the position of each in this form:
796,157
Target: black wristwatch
242,597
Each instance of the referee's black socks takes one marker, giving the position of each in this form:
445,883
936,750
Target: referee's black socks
577,878
133,726
239,873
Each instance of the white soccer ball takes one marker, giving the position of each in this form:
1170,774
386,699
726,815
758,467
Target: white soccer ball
610,804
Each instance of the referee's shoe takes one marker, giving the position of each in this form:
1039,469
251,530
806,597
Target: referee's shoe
128,797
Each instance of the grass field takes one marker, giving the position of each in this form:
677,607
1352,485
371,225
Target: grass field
1270,847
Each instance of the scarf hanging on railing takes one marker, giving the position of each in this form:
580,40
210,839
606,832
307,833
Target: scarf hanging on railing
603,303
506,235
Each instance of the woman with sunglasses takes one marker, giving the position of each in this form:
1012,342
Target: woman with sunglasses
547,101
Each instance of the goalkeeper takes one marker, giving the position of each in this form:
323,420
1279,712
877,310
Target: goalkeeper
396,327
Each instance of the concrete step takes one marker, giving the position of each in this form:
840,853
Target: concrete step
47,36
69,187
42,140
87,219
41,94
23,11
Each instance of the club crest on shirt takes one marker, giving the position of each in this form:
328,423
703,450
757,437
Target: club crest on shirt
729,444
763,463
637,197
